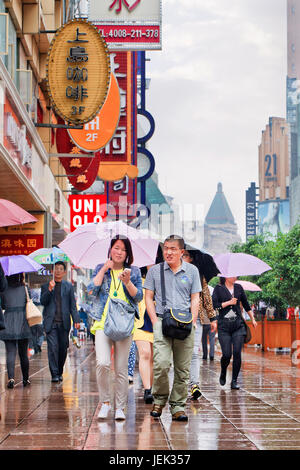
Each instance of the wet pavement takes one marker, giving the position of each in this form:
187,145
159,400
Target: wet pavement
263,414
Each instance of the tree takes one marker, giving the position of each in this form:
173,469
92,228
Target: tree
281,285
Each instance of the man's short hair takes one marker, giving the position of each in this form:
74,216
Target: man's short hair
62,263
176,238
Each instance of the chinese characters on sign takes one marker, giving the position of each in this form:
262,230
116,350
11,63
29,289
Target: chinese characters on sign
119,3
20,244
128,24
77,55
78,61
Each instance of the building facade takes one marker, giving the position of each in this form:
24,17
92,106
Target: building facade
274,178
292,103
27,171
220,229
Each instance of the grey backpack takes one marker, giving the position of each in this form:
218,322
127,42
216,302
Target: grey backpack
119,321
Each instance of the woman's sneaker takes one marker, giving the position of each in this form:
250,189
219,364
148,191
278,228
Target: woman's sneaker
119,416
104,410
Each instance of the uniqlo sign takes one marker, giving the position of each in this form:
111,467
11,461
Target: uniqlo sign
86,209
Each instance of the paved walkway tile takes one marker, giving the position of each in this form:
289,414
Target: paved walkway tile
263,414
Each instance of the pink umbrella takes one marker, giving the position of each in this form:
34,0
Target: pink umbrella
11,214
247,285
88,245
240,264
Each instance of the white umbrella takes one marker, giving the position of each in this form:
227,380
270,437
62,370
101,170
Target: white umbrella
89,244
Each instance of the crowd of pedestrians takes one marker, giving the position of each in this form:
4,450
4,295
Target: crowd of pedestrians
162,312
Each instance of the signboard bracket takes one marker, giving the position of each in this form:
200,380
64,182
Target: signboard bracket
58,126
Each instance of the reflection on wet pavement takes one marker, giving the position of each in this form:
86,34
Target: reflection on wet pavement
263,414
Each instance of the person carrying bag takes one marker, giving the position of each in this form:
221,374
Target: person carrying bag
33,315
176,323
117,290
172,302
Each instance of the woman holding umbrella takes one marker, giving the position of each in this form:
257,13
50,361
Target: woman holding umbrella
17,331
115,279
227,297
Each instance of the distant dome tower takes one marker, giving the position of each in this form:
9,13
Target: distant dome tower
220,229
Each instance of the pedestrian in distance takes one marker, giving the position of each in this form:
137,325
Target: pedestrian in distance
207,320
175,287
227,297
58,299
16,334
115,283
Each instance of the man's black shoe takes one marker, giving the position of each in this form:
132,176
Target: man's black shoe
55,379
60,378
234,385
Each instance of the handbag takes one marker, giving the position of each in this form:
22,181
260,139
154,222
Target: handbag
176,323
33,315
119,320
248,335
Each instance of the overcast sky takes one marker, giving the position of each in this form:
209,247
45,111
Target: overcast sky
219,77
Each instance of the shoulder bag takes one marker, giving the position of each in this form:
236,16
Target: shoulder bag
119,321
33,315
248,335
176,323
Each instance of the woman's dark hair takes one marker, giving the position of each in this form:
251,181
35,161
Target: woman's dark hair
15,280
204,262
222,281
159,259
129,259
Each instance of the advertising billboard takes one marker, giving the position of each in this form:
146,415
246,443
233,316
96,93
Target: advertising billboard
274,217
128,24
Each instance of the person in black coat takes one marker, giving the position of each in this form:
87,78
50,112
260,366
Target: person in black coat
59,303
227,297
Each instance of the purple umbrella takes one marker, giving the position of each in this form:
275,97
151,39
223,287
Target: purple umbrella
240,264
19,264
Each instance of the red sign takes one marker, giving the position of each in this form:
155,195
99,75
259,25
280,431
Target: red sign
119,148
86,209
16,139
132,34
121,199
20,244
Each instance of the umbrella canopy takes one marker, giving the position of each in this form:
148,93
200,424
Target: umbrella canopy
49,255
240,264
11,214
250,286
16,264
89,244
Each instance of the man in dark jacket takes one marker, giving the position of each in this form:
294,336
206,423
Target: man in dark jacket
59,303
